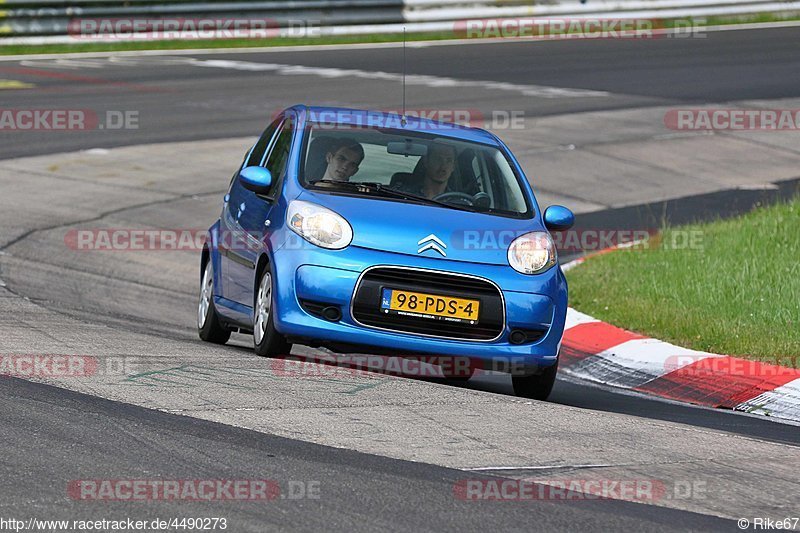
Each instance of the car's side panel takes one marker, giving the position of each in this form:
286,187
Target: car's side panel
248,213
252,218
234,241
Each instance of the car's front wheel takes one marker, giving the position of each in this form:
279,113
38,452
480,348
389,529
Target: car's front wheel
537,386
268,342
209,326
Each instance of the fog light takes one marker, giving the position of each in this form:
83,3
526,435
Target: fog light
517,337
332,313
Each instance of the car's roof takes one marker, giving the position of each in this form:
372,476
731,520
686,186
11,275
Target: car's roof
361,117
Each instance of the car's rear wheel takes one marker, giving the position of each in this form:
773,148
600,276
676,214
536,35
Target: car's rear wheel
268,342
537,386
209,326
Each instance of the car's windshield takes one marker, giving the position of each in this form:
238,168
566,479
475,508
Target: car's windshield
424,167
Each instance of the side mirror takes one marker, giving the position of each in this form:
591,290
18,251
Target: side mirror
256,179
558,218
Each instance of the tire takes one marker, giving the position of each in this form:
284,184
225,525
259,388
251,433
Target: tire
267,341
461,378
209,327
537,386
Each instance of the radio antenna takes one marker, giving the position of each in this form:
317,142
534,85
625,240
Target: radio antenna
403,117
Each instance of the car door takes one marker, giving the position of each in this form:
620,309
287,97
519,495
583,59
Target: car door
232,236
251,214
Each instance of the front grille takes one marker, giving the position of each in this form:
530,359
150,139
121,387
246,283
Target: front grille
367,298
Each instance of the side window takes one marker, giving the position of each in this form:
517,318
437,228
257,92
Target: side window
279,155
256,155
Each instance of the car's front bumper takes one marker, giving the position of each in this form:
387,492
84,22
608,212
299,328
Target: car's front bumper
330,277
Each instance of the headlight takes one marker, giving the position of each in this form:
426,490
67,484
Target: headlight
319,225
532,253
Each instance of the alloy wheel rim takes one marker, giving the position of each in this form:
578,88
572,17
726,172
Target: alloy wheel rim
206,290
263,307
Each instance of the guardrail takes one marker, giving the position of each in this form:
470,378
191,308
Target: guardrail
58,19
55,19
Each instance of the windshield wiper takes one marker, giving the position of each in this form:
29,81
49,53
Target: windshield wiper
373,186
351,184
420,198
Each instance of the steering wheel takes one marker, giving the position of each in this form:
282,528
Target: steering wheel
481,199
468,198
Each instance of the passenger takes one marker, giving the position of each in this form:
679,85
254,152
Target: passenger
343,159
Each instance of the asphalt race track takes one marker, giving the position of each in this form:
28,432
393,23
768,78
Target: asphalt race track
179,102
385,452
359,492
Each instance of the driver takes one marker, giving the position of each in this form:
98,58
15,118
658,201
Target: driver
438,165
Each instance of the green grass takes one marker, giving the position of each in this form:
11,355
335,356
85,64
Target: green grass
216,43
16,49
737,293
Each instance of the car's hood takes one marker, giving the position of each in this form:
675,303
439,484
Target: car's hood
427,231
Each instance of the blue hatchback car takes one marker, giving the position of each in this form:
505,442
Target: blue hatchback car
377,233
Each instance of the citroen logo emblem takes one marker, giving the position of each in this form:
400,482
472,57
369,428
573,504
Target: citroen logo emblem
432,242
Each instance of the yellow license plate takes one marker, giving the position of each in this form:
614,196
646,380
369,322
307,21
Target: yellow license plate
420,304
